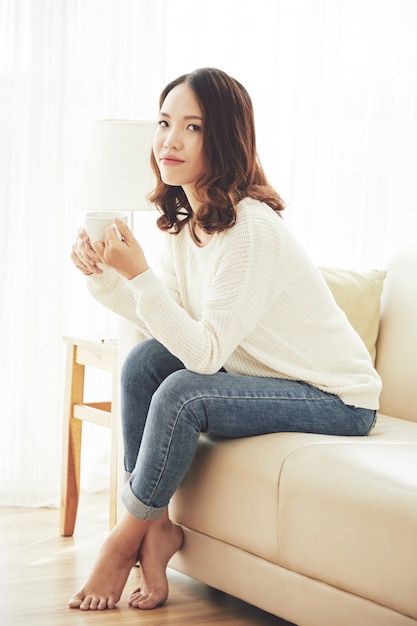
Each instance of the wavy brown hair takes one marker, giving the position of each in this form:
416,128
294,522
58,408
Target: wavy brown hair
233,169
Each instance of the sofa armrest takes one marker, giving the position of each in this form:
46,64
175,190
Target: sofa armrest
129,336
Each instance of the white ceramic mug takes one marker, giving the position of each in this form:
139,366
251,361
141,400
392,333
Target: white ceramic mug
96,222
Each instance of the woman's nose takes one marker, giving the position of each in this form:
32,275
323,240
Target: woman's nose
172,139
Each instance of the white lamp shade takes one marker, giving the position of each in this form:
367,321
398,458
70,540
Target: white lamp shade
118,174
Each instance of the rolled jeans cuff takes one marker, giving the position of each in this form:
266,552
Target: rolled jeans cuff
137,508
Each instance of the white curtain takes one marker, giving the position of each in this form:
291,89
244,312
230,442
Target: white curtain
334,85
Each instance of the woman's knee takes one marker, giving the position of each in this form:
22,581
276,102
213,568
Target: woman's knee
180,383
148,358
180,396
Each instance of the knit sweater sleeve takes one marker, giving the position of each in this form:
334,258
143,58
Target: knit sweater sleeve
111,290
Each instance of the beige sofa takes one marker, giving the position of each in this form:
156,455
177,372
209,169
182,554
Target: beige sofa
320,530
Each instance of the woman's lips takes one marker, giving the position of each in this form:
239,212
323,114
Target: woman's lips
170,160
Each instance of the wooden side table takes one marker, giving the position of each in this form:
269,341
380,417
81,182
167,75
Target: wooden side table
82,353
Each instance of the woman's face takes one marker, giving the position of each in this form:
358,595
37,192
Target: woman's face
178,140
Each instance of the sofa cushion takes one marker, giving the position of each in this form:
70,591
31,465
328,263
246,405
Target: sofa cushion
358,294
348,517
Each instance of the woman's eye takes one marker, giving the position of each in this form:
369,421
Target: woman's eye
194,127
163,123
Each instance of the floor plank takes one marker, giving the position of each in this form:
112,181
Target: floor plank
40,570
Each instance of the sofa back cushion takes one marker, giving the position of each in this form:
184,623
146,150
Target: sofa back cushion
358,294
396,359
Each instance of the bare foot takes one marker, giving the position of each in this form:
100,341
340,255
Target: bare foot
161,541
111,570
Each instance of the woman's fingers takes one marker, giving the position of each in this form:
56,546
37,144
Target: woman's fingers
83,256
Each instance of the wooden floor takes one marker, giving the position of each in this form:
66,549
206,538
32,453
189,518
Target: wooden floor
40,570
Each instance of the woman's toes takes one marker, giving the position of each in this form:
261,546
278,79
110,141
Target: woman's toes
135,592
76,601
135,598
88,603
109,604
151,601
93,604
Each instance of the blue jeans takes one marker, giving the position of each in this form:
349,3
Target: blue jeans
165,407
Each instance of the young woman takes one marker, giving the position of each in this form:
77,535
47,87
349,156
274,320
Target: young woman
245,337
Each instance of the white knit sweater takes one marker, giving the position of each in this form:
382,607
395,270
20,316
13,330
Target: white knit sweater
250,301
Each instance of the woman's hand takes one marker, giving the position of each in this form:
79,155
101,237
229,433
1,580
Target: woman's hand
125,256
83,256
